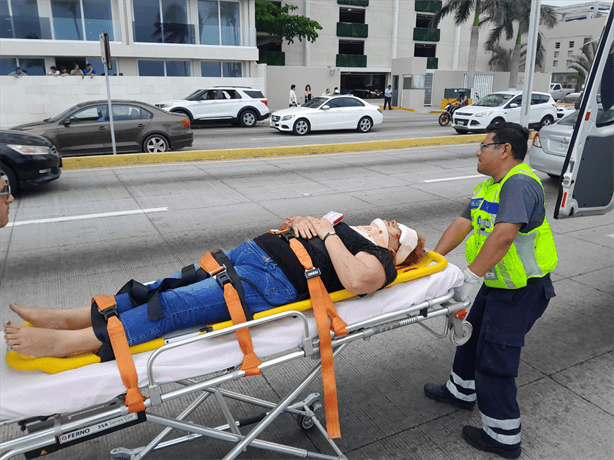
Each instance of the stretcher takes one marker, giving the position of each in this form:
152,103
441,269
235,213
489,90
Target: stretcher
201,364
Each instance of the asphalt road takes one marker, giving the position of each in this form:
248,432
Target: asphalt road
94,229
398,124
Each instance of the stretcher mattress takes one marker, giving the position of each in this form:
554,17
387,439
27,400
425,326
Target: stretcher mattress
35,393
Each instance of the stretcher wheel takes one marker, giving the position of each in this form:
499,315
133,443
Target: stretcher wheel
467,331
305,423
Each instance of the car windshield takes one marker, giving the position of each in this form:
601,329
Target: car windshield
570,98
494,100
604,117
195,96
315,102
64,114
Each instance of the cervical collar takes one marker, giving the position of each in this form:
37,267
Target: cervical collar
377,232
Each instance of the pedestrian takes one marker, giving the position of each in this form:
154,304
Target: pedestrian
53,71
336,91
63,72
18,73
89,70
77,71
326,93
292,102
307,93
388,97
513,251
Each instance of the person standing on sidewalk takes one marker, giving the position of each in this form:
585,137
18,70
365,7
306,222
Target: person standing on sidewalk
388,97
292,101
513,251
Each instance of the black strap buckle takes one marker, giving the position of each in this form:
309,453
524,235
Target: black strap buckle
287,235
312,272
222,277
108,312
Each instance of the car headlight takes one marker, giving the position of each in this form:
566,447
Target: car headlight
483,114
287,117
30,149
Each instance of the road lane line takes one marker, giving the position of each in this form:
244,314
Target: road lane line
454,178
86,216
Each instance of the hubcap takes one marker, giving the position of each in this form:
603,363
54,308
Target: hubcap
301,127
365,125
156,145
249,119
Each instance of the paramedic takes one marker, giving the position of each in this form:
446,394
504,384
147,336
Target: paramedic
5,199
513,251
360,259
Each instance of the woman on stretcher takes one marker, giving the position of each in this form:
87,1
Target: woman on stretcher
360,259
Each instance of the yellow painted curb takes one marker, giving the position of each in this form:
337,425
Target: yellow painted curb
399,108
203,155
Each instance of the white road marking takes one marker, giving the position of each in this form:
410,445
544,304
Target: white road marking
454,178
330,136
611,236
86,216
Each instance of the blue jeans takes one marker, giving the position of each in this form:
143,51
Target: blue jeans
203,302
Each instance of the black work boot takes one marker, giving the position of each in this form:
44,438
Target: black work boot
442,394
475,437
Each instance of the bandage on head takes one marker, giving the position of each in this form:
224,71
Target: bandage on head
408,242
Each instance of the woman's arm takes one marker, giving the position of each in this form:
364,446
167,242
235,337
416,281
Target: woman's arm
361,273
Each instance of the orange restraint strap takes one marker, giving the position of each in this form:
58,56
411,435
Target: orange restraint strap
233,302
121,349
323,308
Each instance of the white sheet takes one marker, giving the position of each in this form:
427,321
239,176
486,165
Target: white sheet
34,393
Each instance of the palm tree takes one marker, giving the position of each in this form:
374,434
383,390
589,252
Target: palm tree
501,57
582,63
505,14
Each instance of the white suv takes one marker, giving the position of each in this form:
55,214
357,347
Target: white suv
505,106
238,105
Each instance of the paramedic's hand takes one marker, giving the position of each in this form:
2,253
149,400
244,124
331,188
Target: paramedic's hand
303,227
471,280
321,226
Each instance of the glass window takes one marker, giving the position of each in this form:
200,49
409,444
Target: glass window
99,66
7,65
24,22
151,68
569,53
557,45
172,28
98,19
230,21
147,21
571,44
67,23
208,23
146,114
32,66
94,114
231,94
124,112
211,69
175,22
254,94
555,63
178,68
556,54
232,69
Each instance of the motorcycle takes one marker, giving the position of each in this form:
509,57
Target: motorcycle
446,117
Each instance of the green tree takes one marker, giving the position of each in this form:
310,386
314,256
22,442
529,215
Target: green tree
501,57
582,63
276,24
509,16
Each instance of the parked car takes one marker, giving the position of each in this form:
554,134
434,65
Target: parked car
238,105
28,160
325,113
549,148
85,129
566,105
558,91
368,92
504,106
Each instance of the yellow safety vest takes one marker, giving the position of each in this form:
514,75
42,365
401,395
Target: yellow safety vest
531,255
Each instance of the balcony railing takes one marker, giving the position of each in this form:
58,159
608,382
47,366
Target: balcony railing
432,63
272,58
428,6
426,35
352,29
354,2
351,60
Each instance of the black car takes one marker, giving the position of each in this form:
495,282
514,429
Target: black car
85,129
28,160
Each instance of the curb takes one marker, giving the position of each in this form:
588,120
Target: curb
399,108
261,152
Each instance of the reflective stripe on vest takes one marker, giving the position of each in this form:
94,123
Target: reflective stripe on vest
531,255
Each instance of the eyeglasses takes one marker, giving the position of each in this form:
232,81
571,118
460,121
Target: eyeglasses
482,145
6,190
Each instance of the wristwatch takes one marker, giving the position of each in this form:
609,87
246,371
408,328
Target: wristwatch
332,232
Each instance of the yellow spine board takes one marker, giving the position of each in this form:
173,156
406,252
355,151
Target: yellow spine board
430,264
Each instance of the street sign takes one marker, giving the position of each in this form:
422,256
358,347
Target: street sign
105,50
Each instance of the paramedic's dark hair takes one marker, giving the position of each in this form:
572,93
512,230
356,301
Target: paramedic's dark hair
511,133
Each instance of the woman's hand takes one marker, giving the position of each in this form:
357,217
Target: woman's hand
302,226
321,226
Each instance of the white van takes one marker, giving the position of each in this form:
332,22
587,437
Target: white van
504,106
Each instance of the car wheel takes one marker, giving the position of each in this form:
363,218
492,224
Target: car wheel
554,176
185,113
461,131
155,143
301,127
444,119
12,177
249,119
365,124
546,121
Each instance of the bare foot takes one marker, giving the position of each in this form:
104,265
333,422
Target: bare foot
49,318
39,342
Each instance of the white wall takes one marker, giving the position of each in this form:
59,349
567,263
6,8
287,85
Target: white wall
29,99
